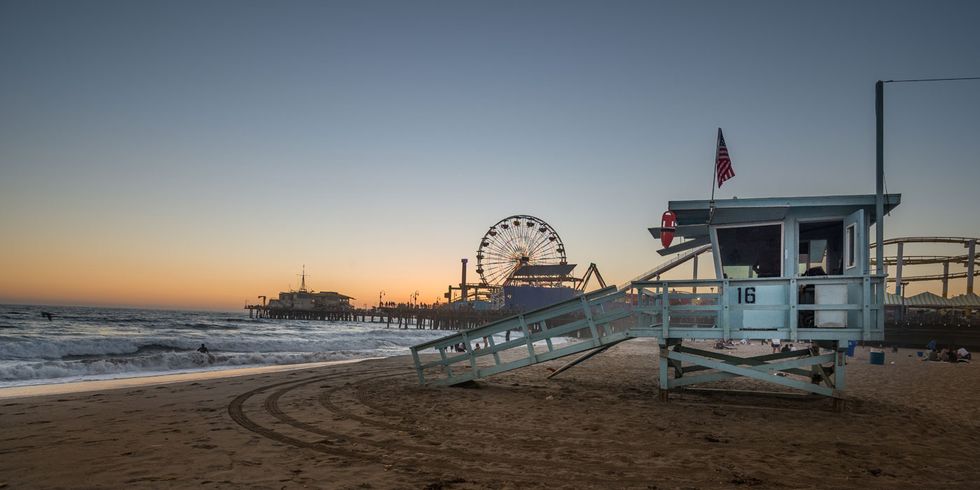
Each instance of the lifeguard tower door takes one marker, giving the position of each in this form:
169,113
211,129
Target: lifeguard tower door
855,262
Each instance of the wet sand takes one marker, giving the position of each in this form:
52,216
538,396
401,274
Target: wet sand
599,425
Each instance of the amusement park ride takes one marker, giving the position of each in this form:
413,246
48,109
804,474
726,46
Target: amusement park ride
522,265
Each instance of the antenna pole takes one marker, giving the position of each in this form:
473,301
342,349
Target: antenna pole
880,177
302,279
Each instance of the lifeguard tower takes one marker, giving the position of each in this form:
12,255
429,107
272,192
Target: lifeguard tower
794,269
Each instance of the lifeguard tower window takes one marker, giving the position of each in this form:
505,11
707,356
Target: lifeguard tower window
821,246
750,251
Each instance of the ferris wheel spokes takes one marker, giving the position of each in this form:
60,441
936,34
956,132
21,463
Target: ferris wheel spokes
516,241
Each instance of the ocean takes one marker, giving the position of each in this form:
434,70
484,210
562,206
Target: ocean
84,343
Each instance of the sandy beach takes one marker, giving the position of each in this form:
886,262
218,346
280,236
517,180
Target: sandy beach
600,425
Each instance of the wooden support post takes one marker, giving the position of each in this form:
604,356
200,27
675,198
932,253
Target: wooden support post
866,306
664,366
725,311
587,311
971,259
898,269
442,354
547,340
839,367
794,314
418,368
527,339
492,346
946,279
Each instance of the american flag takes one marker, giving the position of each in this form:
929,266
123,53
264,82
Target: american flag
723,163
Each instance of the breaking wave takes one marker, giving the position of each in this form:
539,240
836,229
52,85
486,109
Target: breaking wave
88,343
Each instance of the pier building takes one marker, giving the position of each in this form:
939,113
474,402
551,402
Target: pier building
304,304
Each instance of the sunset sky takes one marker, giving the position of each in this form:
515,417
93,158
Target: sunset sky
196,154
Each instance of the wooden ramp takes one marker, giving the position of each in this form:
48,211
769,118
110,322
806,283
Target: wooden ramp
562,329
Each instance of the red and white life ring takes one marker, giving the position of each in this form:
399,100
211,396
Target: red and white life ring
668,224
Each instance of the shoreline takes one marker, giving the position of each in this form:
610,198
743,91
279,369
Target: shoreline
84,386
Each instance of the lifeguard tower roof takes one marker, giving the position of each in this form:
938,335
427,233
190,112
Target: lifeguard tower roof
693,217
774,208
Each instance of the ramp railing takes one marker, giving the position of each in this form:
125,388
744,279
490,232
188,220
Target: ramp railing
562,329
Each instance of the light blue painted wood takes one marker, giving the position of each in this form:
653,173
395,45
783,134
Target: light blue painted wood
727,314
584,305
527,339
751,372
794,315
603,295
418,367
493,350
442,355
840,368
578,325
469,350
726,310
866,310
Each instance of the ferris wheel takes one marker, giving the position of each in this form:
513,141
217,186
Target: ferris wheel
516,241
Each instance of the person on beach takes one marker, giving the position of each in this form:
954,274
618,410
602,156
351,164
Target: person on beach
944,355
951,355
962,354
775,346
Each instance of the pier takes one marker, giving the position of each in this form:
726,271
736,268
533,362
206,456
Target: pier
399,316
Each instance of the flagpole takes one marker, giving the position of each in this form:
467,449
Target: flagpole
714,168
714,179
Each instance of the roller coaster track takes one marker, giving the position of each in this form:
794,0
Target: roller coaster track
934,277
927,239
909,260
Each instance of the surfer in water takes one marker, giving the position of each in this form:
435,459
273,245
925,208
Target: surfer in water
47,315
204,350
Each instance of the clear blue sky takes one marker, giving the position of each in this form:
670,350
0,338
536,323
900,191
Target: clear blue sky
201,146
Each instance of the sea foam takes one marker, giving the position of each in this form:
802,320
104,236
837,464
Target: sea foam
88,343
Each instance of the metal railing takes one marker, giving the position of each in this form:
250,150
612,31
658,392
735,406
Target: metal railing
669,307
